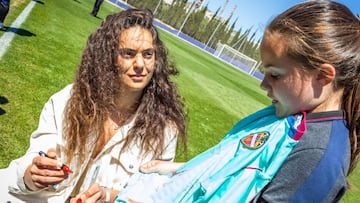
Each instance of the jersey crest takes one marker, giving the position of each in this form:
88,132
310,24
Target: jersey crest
255,140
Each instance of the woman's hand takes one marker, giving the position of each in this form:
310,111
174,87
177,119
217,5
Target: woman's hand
44,171
95,193
161,167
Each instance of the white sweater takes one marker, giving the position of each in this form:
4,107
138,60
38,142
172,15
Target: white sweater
114,169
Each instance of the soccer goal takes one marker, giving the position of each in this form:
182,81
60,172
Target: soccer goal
235,58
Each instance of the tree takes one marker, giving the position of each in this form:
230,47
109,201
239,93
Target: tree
150,4
176,13
243,39
225,33
235,38
158,9
195,19
204,34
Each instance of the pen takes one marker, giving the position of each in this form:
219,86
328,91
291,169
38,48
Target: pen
94,176
64,167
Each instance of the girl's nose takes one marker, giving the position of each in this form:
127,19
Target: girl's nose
139,61
264,84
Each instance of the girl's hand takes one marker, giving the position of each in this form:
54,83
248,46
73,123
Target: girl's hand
95,193
44,172
161,167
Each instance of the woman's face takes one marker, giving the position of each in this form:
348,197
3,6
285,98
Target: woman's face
136,58
290,88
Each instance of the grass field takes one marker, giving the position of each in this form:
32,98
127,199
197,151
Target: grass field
44,60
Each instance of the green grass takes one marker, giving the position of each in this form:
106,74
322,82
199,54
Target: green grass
44,60
213,92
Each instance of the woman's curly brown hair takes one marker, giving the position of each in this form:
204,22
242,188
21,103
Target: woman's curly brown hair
97,81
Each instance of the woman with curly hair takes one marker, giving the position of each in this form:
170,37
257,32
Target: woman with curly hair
121,111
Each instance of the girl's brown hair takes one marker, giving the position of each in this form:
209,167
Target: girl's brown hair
319,32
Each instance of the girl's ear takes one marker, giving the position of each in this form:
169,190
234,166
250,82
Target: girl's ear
326,74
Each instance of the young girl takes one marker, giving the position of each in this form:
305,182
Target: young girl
312,64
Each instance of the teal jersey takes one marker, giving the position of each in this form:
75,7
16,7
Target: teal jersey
234,170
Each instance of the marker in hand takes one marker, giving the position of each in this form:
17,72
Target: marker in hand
64,167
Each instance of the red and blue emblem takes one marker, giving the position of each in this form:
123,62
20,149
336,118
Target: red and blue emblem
255,140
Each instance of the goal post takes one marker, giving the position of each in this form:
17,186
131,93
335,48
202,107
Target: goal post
236,58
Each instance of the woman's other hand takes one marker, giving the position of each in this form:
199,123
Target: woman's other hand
95,193
160,166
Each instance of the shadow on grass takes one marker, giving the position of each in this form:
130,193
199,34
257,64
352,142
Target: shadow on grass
3,100
19,31
39,2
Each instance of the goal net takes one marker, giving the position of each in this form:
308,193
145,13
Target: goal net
235,58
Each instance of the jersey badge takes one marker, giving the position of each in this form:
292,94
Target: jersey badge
255,140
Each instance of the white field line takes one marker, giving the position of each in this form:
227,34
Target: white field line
7,37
